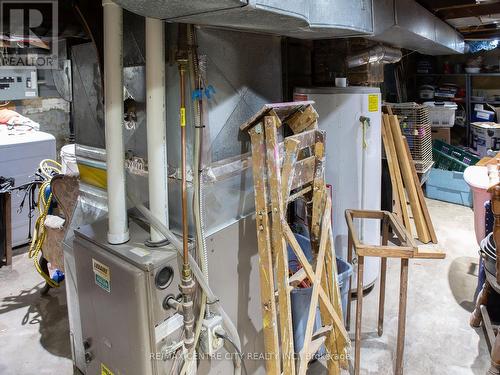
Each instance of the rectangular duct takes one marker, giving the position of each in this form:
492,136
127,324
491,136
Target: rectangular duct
406,24
303,19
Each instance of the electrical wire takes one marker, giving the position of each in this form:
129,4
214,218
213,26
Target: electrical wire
48,168
238,351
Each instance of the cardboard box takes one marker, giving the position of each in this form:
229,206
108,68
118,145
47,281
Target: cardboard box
443,134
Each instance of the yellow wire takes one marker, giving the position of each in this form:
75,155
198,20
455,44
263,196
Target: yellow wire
39,231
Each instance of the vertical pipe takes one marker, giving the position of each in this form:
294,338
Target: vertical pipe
113,104
156,122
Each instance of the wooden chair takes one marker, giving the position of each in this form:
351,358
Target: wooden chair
403,247
65,191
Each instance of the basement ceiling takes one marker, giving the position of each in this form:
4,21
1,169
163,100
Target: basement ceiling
474,19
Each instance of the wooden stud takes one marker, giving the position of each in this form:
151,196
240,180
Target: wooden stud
266,271
404,163
279,245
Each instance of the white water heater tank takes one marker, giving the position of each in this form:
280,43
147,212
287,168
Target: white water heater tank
353,161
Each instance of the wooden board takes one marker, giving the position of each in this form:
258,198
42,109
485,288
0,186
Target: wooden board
397,171
404,164
396,203
266,271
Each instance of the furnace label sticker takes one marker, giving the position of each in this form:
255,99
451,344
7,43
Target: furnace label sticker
373,103
105,370
102,275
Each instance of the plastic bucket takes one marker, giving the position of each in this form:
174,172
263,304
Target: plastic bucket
478,180
68,160
301,297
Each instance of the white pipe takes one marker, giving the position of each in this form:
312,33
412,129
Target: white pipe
156,122
113,107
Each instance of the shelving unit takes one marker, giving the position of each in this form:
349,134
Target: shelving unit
468,102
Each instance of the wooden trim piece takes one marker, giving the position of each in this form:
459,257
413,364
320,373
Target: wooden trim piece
266,271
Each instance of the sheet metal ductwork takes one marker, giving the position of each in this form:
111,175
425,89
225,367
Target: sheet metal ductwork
406,24
303,19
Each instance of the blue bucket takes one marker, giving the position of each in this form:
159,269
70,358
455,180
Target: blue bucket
301,297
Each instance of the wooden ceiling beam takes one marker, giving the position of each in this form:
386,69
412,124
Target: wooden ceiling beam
493,34
470,11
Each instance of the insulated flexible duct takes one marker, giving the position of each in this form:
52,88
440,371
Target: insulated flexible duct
377,54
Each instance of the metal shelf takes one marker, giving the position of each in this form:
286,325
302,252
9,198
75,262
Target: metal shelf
468,92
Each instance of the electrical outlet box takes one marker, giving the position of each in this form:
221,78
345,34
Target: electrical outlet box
209,342
18,83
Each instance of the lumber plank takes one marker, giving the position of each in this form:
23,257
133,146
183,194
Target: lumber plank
279,245
266,271
399,182
421,198
404,163
392,173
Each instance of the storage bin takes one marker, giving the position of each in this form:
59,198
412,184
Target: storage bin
448,186
301,297
485,136
482,115
451,158
441,114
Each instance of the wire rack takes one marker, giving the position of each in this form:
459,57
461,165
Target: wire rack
416,127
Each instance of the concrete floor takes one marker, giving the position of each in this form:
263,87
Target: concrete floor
34,333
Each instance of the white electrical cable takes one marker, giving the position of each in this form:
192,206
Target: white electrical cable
200,278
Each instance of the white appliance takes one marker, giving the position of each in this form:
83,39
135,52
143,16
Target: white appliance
353,160
21,152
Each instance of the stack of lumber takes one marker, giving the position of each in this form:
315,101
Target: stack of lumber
405,182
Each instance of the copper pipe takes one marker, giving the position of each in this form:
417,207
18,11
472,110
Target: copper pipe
182,74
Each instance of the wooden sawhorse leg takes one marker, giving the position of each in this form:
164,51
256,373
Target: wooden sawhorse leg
403,296
383,273
349,295
359,310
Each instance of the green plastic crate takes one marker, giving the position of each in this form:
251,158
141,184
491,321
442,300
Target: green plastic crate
451,158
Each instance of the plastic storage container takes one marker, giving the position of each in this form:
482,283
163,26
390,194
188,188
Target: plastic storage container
446,180
451,158
485,136
441,114
301,297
